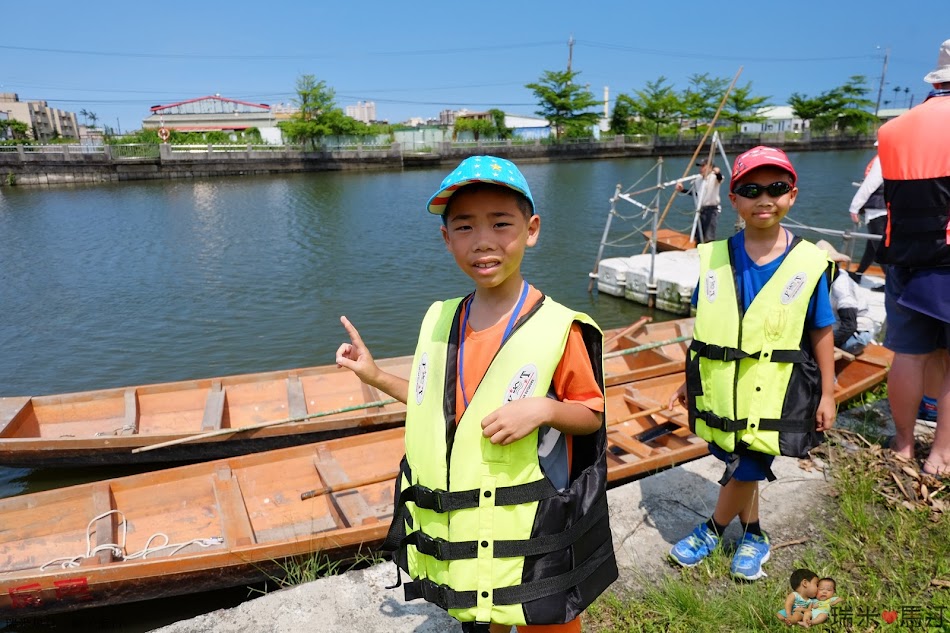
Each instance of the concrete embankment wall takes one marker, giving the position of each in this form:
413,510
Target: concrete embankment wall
67,164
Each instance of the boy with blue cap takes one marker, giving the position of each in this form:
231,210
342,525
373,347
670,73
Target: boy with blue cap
500,513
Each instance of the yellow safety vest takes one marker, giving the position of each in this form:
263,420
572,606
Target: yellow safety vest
480,529
752,379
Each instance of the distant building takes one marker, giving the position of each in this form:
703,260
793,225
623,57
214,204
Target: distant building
527,126
213,113
777,119
364,111
886,114
43,122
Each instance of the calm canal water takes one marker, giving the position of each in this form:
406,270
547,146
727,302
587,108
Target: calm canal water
132,283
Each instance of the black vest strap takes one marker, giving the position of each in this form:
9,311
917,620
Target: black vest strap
714,421
447,550
448,598
718,352
442,501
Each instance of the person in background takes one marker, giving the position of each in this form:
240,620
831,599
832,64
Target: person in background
853,330
707,187
869,199
914,150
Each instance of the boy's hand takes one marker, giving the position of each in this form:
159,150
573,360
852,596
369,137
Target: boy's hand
354,355
515,420
827,409
679,396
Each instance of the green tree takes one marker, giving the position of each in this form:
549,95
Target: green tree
498,116
93,117
742,107
13,129
317,116
702,96
563,102
621,119
657,103
807,109
476,126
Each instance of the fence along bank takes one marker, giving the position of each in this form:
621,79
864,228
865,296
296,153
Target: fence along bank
68,164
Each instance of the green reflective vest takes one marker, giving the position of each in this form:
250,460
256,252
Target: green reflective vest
752,379
479,528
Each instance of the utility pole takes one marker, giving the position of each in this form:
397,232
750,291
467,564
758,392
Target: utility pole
880,88
570,51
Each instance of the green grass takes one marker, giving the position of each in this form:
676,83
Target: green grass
298,570
883,557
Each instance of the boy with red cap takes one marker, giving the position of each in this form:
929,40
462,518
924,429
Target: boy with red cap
760,374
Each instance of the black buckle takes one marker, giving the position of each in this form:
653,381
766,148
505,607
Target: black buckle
432,546
717,352
429,499
434,592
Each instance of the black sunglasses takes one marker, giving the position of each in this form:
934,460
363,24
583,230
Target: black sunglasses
754,190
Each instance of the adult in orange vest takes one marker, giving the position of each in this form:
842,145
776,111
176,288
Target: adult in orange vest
914,150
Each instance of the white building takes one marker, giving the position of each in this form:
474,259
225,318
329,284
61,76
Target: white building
364,111
777,119
43,122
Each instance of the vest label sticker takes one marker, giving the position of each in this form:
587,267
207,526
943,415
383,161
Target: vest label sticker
793,288
421,375
523,383
711,286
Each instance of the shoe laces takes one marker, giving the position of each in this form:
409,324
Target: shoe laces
747,550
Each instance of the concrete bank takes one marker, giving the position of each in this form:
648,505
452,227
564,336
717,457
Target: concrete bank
647,516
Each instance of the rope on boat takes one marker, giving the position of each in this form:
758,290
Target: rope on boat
118,548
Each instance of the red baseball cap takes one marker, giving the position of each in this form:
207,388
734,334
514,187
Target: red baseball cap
761,156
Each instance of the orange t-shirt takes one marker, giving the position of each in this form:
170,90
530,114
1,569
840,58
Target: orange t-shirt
574,381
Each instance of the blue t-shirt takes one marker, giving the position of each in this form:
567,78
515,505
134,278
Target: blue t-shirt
751,278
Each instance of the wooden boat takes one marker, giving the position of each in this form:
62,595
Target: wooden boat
105,426
229,522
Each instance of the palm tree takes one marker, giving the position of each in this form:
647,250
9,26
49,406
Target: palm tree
84,113
93,117
907,94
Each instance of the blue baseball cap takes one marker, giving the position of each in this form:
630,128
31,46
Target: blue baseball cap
490,169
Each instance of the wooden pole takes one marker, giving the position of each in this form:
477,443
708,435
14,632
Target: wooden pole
646,346
264,425
627,330
702,142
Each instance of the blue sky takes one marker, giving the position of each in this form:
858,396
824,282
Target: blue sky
416,58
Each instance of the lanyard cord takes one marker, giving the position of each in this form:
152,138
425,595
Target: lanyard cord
508,328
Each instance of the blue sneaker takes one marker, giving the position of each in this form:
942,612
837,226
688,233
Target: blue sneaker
698,545
752,551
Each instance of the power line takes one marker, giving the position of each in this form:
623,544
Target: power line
245,57
707,55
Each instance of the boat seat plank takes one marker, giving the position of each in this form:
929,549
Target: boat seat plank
353,508
131,422
10,408
106,528
296,401
370,393
630,445
329,469
214,408
235,522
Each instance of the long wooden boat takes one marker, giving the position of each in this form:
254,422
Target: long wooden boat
229,522
106,426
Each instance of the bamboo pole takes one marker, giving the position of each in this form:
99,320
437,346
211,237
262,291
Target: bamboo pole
646,346
702,142
264,425
627,330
